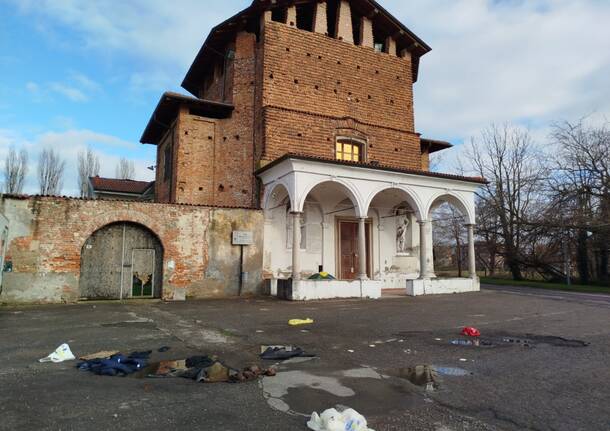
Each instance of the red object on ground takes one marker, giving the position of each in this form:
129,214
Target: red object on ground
471,332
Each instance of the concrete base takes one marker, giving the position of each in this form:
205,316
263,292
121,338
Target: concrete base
441,286
307,290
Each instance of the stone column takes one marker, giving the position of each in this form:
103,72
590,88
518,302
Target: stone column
426,253
472,263
366,33
362,251
320,20
291,16
344,22
296,246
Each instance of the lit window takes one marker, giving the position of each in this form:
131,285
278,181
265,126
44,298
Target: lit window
349,150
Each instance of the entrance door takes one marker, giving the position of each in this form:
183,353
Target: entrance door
121,261
349,260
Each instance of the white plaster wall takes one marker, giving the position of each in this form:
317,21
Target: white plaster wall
442,286
307,290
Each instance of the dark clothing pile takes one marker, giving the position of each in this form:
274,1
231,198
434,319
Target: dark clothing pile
116,365
210,370
281,353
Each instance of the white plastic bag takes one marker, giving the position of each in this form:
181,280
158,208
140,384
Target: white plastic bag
62,353
332,420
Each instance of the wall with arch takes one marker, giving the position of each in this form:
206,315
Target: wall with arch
47,234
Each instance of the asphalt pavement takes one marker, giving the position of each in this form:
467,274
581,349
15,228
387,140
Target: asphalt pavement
527,375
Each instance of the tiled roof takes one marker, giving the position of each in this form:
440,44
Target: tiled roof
119,186
371,165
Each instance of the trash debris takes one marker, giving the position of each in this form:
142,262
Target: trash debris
451,371
333,420
463,360
61,354
163,349
283,352
166,369
351,351
299,322
116,365
104,354
471,332
322,276
420,375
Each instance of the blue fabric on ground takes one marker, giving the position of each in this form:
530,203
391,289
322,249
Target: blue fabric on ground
116,364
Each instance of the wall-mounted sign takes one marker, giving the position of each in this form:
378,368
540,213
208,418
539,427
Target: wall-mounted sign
241,237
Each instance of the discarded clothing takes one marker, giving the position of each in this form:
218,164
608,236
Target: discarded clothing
471,332
199,361
61,354
104,354
163,349
116,365
282,353
332,420
298,322
322,276
217,372
167,369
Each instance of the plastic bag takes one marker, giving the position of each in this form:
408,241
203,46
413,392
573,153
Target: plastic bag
298,322
62,353
471,332
333,420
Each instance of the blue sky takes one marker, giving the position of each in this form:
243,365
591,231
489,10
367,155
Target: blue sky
78,73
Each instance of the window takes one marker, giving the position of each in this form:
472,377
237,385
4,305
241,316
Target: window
167,166
350,150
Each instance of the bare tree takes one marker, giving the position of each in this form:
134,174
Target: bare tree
449,231
507,158
581,189
15,171
50,172
88,166
125,170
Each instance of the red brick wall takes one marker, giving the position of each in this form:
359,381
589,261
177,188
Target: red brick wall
46,236
329,80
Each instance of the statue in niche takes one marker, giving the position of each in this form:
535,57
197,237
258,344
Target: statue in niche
402,231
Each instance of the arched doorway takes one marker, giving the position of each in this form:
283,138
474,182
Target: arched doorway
120,261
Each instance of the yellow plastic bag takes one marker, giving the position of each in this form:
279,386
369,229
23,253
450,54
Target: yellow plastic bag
298,322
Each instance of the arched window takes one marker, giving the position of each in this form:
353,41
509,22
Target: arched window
350,149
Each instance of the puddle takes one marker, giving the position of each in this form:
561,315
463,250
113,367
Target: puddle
524,341
148,324
452,371
312,387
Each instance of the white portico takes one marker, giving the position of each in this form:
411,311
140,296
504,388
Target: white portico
367,225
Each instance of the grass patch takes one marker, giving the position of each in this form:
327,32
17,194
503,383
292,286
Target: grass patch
545,285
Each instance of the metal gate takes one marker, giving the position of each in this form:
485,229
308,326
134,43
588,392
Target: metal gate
120,261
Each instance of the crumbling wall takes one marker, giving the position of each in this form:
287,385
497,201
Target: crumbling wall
47,234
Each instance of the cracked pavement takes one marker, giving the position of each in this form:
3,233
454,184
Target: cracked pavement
360,344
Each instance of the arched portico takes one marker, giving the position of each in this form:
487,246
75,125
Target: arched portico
373,221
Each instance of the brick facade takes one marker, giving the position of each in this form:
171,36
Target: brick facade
47,235
293,91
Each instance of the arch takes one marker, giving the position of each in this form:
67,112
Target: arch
410,197
456,200
350,190
122,259
269,191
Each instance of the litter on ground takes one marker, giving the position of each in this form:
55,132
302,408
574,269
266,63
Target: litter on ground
333,420
299,322
61,354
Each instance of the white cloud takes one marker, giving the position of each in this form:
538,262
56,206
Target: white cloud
77,88
69,143
71,93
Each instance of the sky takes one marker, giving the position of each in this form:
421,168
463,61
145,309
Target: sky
79,73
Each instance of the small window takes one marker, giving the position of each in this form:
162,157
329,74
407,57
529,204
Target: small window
349,150
167,166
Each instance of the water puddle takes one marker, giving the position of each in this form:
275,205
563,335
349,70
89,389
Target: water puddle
524,341
428,377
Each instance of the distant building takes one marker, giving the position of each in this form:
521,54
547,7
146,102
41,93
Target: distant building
117,189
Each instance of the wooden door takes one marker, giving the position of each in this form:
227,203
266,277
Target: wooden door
142,273
349,260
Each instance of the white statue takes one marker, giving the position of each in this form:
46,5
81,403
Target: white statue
402,231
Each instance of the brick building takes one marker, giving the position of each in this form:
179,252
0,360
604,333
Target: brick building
302,111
